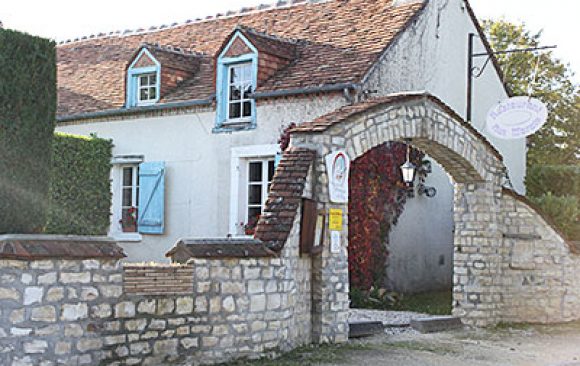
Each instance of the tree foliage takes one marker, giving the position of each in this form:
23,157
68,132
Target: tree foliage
27,120
558,142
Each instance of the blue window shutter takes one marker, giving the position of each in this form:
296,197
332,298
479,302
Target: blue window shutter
151,212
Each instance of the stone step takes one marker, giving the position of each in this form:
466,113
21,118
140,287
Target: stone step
358,329
436,324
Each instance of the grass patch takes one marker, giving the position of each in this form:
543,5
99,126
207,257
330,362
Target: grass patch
434,303
307,355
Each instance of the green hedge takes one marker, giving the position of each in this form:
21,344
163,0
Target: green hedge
27,120
565,211
80,189
559,180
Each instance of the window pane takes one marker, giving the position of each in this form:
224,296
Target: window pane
152,79
127,197
255,174
247,109
255,194
253,212
127,176
235,93
271,170
234,75
144,94
246,72
152,93
144,80
235,110
247,90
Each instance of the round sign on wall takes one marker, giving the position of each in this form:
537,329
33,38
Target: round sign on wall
516,117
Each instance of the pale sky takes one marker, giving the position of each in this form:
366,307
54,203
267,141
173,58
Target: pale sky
64,19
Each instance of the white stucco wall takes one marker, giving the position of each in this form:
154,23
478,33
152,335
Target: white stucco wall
421,244
197,187
431,55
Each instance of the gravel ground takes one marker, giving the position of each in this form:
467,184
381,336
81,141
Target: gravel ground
389,318
522,345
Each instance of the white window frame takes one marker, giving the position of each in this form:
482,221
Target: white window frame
240,156
242,99
120,162
134,186
264,183
139,86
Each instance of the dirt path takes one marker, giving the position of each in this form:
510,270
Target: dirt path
534,345
524,346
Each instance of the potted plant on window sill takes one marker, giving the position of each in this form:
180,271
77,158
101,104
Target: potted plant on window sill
129,221
250,227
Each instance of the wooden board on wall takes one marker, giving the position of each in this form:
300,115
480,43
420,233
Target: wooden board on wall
308,225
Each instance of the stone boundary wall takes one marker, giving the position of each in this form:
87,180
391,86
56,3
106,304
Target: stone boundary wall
81,311
75,312
540,271
157,279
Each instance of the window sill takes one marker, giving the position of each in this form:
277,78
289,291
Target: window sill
128,237
230,126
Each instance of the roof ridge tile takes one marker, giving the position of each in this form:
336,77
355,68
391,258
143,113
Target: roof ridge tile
228,14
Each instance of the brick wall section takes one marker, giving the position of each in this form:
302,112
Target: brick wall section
268,65
284,198
171,78
238,48
157,279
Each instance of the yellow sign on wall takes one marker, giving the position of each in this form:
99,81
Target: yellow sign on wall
335,219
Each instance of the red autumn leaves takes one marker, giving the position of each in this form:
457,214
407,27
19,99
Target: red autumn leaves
376,200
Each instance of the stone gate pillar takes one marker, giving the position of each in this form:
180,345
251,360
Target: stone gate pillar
477,280
330,301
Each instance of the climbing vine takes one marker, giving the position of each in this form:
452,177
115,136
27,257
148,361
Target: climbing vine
377,196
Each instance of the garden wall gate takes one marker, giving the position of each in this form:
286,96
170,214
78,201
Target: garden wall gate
510,264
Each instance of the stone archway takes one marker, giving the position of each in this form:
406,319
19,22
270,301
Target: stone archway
474,165
499,238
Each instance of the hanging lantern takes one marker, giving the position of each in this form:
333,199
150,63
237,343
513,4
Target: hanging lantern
408,169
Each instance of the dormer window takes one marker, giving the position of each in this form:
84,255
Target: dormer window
240,87
237,75
143,80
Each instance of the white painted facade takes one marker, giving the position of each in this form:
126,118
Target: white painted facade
432,56
201,166
204,169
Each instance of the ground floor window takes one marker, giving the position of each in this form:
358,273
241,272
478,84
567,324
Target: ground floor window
259,177
129,197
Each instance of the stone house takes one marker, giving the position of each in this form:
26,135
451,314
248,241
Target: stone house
195,111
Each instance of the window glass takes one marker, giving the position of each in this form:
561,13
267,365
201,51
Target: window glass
129,198
255,194
260,173
271,170
255,171
240,86
147,87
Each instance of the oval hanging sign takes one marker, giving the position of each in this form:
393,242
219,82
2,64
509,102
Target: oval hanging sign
516,117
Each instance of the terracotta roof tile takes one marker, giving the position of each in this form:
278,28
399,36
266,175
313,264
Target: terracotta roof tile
337,41
284,198
14,247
